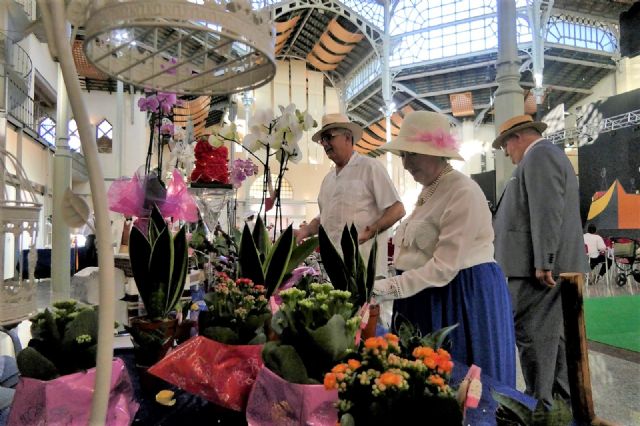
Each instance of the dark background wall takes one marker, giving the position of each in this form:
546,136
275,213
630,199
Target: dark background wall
615,154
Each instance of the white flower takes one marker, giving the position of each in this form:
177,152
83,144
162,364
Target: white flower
215,141
308,122
252,142
229,132
262,117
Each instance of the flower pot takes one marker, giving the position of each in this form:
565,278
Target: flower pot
152,338
370,329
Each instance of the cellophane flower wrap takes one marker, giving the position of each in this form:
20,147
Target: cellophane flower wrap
316,327
221,364
67,399
380,386
220,373
275,401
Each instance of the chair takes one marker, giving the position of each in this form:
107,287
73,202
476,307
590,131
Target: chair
624,252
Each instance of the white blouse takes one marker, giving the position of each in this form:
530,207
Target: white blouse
451,231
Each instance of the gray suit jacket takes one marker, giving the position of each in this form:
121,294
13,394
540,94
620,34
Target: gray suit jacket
537,221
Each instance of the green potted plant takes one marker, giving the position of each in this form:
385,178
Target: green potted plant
57,370
159,266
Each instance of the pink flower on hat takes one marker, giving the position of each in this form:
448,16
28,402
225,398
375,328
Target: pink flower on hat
438,138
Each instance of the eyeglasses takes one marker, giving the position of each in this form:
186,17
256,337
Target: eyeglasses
327,137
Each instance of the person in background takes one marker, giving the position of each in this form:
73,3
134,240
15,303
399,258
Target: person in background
444,254
538,236
357,191
596,249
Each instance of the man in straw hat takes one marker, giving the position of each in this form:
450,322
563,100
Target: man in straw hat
538,236
444,254
359,191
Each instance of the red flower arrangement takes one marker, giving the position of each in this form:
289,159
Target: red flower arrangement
211,163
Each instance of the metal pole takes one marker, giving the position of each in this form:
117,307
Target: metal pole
60,252
509,99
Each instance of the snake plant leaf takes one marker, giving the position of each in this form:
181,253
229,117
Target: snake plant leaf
301,252
179,272
332,262
140,255
521,411
277,261
370,276
349,248
249,262
160,268
156,224
358,272
261,238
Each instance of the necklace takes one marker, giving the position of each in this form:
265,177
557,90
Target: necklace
428,191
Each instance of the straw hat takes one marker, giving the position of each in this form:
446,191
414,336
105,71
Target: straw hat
515,124
338,121
425,132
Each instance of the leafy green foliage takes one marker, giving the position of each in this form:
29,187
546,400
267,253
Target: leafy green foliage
64,341
511,412
159,265
270,264
316,330
410,337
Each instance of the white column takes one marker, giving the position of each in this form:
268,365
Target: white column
509,97
60,252
118,130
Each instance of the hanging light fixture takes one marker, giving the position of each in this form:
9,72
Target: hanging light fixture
189,47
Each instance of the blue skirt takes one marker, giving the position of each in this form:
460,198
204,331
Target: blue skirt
478,300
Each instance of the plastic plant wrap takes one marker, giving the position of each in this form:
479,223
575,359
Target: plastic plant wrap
67,399
222,374
136,197
274,401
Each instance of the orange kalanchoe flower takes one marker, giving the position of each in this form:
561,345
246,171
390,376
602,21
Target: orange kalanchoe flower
354,364
434,379
340,368
423,352
376,343
390,379
392,338
330,381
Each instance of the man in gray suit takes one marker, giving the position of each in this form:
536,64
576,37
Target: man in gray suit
538,235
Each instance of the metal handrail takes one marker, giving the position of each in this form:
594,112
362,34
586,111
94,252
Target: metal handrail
23,107
16,57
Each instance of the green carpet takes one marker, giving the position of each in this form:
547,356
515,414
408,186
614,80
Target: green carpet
614,321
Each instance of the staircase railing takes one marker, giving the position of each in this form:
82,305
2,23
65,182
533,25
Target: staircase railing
15,58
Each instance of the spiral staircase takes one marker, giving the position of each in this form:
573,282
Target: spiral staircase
16,77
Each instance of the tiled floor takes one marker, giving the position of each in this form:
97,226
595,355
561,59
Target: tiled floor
615,374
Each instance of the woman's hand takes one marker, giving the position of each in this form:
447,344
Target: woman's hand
386,289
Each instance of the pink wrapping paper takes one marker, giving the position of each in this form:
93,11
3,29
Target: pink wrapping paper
128,196
67,399
274,401
222,374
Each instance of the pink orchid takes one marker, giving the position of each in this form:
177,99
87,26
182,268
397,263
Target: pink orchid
150,104
438,138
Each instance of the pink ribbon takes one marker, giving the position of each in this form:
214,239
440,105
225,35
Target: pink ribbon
363,313
438,138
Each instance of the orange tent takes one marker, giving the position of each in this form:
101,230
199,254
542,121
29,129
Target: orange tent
615,210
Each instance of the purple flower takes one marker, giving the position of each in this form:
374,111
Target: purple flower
167,129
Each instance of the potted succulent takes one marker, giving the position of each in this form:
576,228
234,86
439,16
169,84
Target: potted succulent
159,266
58,374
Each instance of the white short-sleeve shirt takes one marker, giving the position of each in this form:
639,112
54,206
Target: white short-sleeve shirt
358,194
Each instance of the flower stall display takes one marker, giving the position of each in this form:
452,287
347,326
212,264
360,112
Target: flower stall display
221,363
379,385
58,371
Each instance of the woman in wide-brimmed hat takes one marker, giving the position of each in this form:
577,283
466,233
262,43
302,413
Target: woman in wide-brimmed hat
444,254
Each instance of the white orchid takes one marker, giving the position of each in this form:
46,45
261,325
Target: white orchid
263,117
215,140
230,132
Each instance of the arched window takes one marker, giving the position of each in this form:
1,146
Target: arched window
74,136
286,192
104,136
47,130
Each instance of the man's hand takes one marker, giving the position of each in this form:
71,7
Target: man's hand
366,234
300,234
545,277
